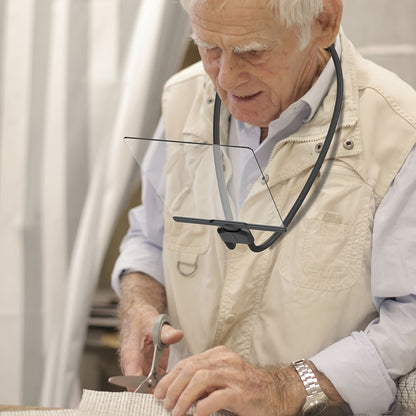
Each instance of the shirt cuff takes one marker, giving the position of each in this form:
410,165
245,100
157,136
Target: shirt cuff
356,370
153,269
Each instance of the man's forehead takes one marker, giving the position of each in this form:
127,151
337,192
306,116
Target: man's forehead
220,4
239,21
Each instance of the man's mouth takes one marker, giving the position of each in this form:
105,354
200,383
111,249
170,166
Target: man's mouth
245,98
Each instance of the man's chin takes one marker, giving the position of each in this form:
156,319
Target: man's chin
252,117
252,121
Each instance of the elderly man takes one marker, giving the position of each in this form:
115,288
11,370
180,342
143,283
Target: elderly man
327,315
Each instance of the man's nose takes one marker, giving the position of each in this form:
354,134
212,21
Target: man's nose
231,72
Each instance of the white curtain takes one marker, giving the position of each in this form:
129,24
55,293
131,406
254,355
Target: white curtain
75,77
385,32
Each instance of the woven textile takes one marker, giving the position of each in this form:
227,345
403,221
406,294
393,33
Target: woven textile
406,393
40,412
103,403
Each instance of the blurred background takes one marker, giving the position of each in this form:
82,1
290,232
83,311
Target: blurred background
75,77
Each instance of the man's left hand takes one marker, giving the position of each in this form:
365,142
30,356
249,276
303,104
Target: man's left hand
220,379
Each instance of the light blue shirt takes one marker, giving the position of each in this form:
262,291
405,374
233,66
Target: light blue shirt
387,348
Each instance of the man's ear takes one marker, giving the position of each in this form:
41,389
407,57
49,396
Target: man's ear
326,26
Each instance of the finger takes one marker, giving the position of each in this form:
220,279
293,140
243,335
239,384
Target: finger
218,400
202,384
170,335
163,385
136,348
136,355
136,360
184,370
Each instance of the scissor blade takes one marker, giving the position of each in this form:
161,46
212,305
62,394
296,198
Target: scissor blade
133,382
149,384
130,382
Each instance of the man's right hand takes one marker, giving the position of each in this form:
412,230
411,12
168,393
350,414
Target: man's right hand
142,300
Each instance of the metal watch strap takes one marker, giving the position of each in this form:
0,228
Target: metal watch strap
314,393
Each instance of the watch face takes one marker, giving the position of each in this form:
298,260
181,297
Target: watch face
315,404
314,408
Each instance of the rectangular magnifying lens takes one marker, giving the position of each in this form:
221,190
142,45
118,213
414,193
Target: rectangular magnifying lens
209,184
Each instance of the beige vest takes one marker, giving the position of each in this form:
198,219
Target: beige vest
312,287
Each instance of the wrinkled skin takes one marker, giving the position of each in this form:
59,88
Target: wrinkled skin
221,379
142,300
253,60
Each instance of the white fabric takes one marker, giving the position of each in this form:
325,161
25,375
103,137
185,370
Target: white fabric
101,403
384,31
41,412
75,77
95,403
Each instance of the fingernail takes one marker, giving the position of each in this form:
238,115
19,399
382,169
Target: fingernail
157,394
177,412
170,331
168,404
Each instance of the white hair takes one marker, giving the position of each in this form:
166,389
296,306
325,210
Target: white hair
297,14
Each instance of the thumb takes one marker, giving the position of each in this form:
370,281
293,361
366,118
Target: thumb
170,335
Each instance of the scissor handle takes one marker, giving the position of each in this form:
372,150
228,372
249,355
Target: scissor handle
157,331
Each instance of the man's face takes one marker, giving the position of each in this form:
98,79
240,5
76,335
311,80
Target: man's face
252,59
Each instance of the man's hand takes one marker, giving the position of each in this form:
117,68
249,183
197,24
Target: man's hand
142,300
220,379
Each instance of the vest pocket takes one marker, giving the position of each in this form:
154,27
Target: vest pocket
328,254
329,248
185,244
322,254
187,241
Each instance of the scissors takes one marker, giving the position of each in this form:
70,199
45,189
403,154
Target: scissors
145,384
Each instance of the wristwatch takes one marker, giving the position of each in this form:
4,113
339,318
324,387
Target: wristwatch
316,400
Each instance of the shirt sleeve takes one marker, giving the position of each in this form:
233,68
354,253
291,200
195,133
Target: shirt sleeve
141,247
363,366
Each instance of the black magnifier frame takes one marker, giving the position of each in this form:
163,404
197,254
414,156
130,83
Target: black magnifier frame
233,233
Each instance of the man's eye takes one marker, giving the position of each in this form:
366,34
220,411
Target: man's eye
254,56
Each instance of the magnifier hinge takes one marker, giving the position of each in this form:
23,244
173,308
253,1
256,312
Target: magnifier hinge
232,236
